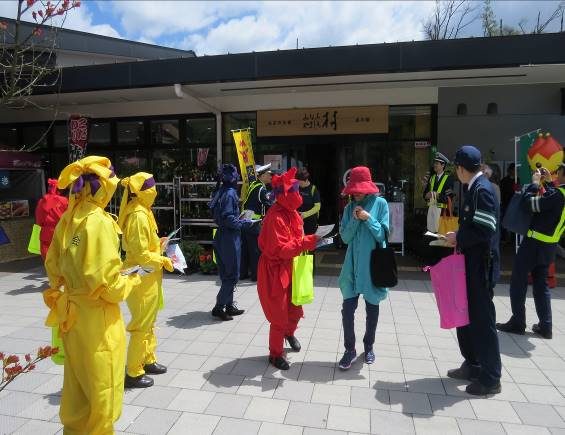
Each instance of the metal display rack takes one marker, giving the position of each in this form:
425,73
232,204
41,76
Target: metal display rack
195,218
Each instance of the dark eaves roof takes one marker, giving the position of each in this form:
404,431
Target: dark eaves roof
74,40
450,54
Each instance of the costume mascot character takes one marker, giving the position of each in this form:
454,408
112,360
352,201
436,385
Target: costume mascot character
227,241
280,240
49,210
84,269
143,248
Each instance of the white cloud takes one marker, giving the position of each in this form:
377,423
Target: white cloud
276,25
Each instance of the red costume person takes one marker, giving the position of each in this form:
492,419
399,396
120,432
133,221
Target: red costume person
281,239
49,210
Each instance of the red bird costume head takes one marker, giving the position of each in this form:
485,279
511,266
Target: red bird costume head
285,188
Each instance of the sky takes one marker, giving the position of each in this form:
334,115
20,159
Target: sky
219,27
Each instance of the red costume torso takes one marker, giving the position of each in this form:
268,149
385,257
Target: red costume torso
47,214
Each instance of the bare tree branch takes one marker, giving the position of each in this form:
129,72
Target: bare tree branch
449,19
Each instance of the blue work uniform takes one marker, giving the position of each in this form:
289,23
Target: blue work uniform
227,241
477,239
536,253
258,200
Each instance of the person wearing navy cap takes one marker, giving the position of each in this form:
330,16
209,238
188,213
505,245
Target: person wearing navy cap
537,252
477,239
440,182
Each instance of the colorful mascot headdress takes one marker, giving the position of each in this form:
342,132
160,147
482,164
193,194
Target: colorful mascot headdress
546,151
142,187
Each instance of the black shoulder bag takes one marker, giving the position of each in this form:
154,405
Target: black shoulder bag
384,272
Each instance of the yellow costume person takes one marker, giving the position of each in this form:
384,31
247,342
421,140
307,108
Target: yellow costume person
143,247
83,265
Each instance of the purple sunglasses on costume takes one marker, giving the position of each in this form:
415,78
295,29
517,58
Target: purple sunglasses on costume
294,188
93,179
148,184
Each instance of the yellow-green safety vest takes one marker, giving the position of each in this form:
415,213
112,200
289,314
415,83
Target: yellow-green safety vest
252,187
439,189
554,238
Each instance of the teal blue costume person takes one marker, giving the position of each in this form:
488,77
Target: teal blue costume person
227,241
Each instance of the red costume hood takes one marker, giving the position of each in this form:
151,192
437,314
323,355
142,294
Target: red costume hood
285,188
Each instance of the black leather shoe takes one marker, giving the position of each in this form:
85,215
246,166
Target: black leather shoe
141,381
544,333
511,328
478,389
232,310
293,343
221,314
463,373
279,362
155,369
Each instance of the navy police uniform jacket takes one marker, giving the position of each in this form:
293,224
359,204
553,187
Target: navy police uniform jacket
478,233
258,199
547,210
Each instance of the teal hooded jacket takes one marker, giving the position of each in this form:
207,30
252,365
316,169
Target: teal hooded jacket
361,238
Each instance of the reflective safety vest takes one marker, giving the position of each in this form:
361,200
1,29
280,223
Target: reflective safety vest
254,185
554,238
439,188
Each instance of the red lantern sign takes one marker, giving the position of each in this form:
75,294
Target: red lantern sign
79,128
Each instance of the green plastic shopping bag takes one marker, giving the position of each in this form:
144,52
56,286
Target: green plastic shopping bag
57,341
34,245
303,279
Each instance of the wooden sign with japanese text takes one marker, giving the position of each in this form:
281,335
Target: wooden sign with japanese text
323,121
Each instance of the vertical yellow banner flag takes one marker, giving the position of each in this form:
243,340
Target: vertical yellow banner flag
244,147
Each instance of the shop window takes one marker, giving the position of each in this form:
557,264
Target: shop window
165,132
60,136
129,162
35,136
461,109
8,138
492,109
240,120
99,134
131,133
201,131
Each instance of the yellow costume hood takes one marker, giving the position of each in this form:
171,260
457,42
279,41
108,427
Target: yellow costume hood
141,188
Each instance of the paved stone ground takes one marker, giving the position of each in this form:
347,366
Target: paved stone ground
219,381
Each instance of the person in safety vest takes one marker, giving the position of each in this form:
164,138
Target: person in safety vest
280,240
255,205
49,210
227,241
86,286
143,247
537,252
440,182
310,208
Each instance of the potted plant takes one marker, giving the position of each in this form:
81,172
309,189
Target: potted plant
207,264
192,252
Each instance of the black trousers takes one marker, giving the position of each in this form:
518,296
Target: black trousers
531,257
478,341
348,317
249,253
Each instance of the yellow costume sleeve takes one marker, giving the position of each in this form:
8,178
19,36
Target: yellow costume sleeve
142,247
52,263
101,261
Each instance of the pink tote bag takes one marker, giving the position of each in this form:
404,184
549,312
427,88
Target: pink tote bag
450,289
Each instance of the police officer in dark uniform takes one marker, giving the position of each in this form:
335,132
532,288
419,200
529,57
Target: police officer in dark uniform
440,182
477,238
255,205
537,252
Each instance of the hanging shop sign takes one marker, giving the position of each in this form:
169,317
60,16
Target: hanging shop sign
422,144
323,121
78,137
